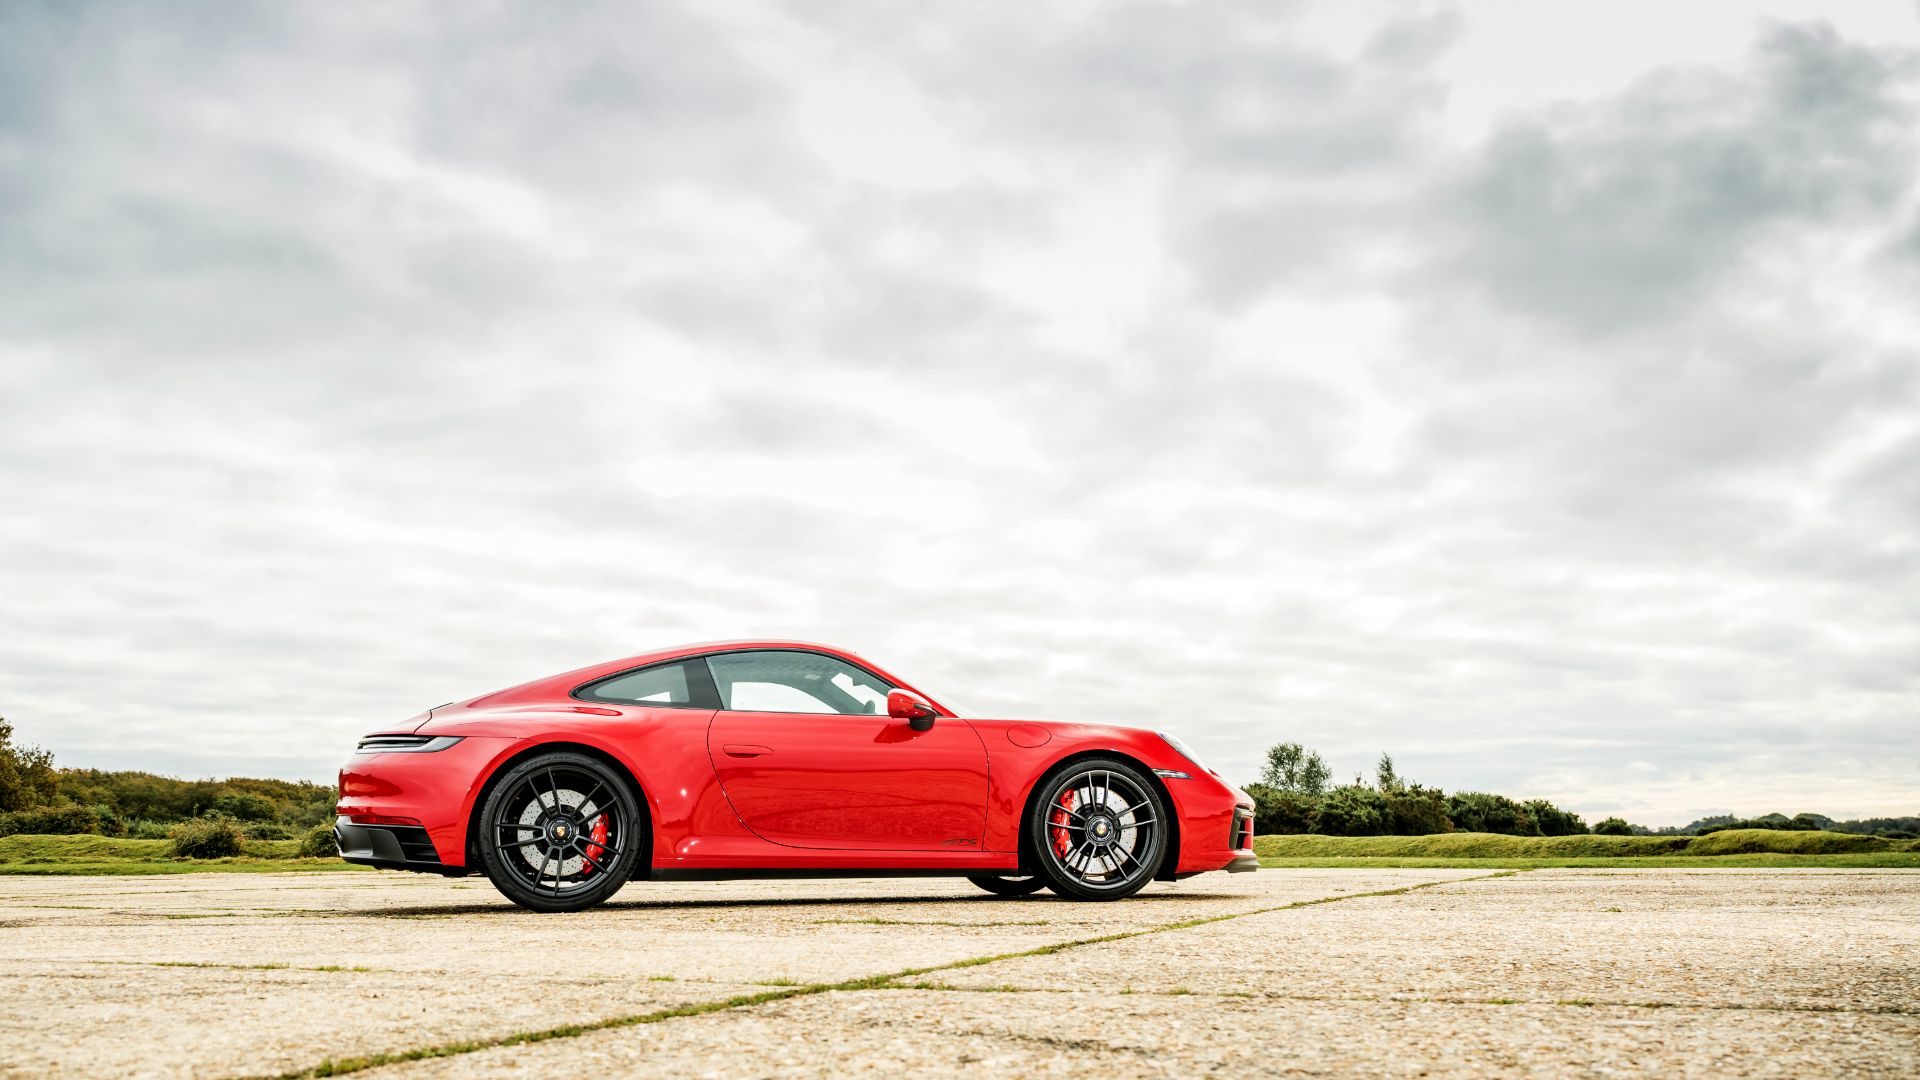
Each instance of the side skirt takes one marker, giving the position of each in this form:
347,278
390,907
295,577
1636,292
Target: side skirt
790,873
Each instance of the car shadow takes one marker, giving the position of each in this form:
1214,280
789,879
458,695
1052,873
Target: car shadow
502,907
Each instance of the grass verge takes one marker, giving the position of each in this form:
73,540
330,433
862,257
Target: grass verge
1495,846
1884,860
113,855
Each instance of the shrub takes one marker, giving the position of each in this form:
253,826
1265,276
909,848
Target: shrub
317,843
1416,811
1478,811
1277,811
245,805
1350,810
1614,826
50,821
269,830
1553,821
145,829
210,837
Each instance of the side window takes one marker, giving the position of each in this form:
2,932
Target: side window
784,681
662,684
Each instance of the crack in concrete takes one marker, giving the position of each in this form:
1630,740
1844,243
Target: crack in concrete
1580,1003
361,1063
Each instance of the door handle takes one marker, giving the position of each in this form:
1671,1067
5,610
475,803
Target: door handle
735,749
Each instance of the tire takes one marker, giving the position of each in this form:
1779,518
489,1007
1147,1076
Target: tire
1008,885
560,831
1098,830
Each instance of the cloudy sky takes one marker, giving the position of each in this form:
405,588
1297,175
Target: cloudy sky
1532,391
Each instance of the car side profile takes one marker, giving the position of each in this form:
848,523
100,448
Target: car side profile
775,759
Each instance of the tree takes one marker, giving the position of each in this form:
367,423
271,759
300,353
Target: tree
1292,767
1384,776
27,778
1613,826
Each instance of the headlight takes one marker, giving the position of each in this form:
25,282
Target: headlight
1182,749
405,744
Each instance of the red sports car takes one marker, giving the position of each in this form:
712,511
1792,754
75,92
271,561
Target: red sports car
775,759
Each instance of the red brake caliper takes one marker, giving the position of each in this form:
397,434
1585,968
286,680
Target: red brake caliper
1062,836
594,850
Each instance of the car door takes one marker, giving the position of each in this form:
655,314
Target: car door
805,752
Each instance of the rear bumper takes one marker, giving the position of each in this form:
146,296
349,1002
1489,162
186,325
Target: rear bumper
391,847
1244,864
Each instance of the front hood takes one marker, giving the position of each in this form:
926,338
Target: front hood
510,721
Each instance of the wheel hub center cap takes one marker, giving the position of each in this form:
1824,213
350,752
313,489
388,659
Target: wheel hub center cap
1103,829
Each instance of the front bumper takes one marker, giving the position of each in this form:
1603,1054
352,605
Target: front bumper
1216,826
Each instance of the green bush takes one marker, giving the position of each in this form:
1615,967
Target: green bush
147,829
1481,812
245,806
1278,811
1553,821
206,838
317,843
1416,811
1614,826
50,821
108,822
269,830
1350,810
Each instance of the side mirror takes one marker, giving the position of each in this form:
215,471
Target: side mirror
915,710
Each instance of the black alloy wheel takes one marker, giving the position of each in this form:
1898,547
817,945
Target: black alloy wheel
1099,830
560,832
1008,884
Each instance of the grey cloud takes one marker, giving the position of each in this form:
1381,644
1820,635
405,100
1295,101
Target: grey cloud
1617,214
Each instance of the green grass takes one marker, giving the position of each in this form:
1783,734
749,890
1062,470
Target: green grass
1739,847
1887,860
113,855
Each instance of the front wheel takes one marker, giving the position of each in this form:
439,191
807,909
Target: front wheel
1099,830
560,832
1007,885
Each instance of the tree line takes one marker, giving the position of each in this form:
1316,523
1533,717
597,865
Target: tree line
1295,795
37,797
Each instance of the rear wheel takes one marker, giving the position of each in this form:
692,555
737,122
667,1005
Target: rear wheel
1099,830
1007,885
560,832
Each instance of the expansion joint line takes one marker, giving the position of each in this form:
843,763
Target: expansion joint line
345,1066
